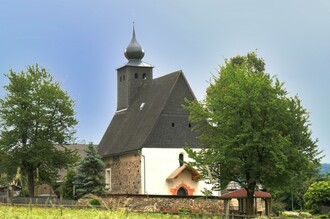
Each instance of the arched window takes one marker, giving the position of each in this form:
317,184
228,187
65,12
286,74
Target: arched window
189,125
181,159
144,76
182,192
136,76
120,78
124,78
172,124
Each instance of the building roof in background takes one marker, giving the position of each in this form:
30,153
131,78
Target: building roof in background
81,151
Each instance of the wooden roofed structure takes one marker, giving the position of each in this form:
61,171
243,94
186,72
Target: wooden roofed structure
241,196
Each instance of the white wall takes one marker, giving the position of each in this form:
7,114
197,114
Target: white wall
157,164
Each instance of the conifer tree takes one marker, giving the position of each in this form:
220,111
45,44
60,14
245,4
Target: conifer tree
90,178
67,187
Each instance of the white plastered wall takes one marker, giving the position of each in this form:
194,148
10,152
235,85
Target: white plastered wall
158,163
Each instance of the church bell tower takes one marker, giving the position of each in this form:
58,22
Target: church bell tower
132,75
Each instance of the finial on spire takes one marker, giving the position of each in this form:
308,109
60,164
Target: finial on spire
134,50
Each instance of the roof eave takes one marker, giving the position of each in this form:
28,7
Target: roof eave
135,151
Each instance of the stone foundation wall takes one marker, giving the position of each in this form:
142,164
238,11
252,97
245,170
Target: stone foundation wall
167,204
125,174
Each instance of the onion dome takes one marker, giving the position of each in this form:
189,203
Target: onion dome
134,50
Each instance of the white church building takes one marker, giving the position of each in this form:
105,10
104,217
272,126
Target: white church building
143,144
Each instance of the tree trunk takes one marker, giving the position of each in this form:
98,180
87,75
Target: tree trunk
250,202
31,182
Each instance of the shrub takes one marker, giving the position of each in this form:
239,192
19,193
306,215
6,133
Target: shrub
317,194
24,193
305,214
94,202
289,214
278,207
68,185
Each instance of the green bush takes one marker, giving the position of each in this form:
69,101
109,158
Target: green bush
317,194
278,207
24,193
305,214
289,214
293,214
94,202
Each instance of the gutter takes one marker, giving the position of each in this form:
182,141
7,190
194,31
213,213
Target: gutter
144,172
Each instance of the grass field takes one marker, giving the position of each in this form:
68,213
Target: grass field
31,212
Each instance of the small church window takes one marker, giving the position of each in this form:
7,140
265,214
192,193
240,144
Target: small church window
136,76
189,125
108,178
172,124
181,159
144,76
120,78
123,77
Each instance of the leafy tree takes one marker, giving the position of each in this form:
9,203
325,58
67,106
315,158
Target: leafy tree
67,187
3,179
318,194
3,176
90,178
251,131
293,196
36,120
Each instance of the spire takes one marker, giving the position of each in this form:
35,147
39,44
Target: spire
134,50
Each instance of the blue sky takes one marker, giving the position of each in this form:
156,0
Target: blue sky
82,43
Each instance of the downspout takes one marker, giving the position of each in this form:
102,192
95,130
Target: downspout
144,172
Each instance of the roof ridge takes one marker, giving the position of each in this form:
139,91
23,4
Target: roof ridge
169,74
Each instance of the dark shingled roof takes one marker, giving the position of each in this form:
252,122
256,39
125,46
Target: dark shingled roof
130,129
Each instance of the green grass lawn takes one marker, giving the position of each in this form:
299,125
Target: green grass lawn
29,212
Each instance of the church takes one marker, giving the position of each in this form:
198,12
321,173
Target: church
143,144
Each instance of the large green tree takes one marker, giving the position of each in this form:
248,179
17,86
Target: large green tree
251,131
37,119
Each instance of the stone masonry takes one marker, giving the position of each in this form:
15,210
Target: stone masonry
166,204
125,174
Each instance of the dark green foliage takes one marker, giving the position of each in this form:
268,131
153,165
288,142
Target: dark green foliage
318,194
36,120
90,175
251,131
94,202
24,193
278,207
3,180
293,196
67,187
